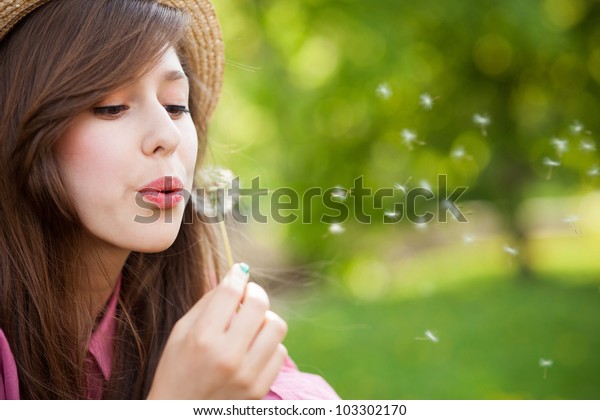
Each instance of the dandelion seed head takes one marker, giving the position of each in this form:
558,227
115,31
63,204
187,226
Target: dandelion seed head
510,250
546,362
426,101
549,162
336,229
560,145
468,239
214,182
384,91
587,145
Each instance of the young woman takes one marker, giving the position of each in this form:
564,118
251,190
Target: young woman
105,266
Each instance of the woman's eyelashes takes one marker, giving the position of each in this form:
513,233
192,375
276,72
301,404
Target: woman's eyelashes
112,112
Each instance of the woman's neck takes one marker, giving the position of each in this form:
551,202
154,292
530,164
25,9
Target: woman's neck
103,267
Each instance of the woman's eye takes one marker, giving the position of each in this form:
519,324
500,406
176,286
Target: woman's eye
111,111
177,110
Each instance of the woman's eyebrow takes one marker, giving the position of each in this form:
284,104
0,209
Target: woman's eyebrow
173,75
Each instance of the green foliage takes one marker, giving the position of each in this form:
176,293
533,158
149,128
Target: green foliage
301,108
491,339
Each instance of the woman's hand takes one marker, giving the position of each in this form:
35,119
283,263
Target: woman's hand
228,346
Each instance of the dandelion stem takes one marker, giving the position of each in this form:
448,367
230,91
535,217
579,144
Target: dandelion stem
226,243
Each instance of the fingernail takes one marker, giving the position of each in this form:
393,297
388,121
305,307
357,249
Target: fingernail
244,267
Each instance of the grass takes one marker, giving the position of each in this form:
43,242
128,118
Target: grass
492,335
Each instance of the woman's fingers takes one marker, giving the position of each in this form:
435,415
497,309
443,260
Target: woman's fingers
267,375
267,340
224,303
250,317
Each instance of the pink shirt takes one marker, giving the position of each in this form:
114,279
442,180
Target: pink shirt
290,384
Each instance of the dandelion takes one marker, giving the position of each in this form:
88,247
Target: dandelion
213,180
482,121
587,146
545,364
560,145
403,187
576,127
336,229
429,336
572,220
384,91
339,193
550,164
409,139
426,101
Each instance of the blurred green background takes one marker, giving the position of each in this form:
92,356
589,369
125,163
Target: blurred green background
500,96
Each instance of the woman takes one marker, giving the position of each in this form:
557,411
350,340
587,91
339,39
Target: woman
104,291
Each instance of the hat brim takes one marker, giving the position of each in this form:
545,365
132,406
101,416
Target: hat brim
206,59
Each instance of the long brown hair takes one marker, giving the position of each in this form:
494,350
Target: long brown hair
59,61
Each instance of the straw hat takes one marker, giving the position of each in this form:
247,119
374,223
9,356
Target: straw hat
207,59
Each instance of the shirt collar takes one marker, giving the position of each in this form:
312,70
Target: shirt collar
102,338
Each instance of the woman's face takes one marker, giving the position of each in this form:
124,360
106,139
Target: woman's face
128,162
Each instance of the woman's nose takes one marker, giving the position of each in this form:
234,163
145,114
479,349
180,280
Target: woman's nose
161,135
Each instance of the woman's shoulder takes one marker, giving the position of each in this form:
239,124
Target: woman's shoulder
291,384
9,381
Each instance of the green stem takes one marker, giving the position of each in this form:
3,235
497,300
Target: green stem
226,243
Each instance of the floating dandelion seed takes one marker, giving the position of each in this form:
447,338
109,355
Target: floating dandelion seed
425,185
213,180
550,164
593,171
339,193
560,145
512,253
384,91
421,223
587,145
468,239
429,336
426,101
403,187
545,364
409,139
576,127
459,152
482,121
572,220
391,214
336,229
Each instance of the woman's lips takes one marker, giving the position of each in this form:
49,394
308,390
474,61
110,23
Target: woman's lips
165,192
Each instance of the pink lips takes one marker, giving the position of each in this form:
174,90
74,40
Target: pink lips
165,192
